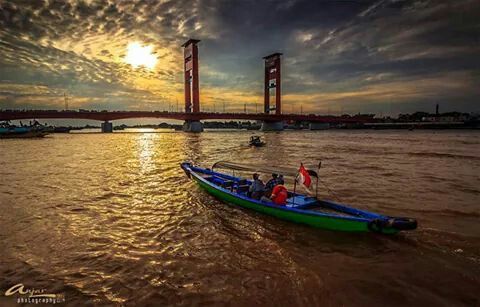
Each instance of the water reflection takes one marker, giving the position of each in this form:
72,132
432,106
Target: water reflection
192,145
146,151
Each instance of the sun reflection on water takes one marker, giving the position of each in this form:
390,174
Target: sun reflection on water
146,151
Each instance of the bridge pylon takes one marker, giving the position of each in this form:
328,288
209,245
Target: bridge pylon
192,93
107,127
272,81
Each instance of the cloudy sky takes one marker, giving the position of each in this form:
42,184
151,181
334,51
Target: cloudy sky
386,56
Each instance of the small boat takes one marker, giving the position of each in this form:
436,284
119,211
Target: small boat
8,131
256,141
303,209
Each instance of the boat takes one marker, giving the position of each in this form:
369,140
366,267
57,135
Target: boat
8,131
61,129
256,141
303,209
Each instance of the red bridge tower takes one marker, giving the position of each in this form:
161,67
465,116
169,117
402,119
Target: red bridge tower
192,95
272,80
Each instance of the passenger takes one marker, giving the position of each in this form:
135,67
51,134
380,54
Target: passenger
270,185
280,180
279,195
257,187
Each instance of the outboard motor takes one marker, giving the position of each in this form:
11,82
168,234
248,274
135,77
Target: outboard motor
403,223
397,223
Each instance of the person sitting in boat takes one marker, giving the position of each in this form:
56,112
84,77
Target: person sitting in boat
270,185
280,180
279,195
257,187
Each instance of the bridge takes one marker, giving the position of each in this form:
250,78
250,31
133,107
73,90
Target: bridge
107,116
192,115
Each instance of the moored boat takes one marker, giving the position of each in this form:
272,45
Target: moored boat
8,131
299,208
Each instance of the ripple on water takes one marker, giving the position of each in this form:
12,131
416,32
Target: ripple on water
121,224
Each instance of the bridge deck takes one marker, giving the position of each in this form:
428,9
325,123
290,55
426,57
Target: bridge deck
116,115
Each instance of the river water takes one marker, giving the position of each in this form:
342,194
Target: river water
112,219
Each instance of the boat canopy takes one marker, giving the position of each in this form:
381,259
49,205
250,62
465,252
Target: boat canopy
255,168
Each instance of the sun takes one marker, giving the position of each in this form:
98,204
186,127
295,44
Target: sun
138,55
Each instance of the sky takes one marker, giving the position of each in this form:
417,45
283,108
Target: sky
384,57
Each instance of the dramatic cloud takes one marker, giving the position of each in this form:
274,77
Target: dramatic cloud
384,56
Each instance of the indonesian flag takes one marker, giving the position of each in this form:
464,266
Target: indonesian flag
304,178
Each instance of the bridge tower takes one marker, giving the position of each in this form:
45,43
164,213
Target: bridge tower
192,94
272,81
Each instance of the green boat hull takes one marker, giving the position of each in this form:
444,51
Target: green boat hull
317,221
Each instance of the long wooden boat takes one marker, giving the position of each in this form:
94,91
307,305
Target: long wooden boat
10,132
300,208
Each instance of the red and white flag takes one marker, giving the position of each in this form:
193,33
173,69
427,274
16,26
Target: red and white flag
304,178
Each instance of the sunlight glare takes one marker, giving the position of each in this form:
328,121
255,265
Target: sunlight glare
138,55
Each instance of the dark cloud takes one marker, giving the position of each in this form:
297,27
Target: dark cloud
330,48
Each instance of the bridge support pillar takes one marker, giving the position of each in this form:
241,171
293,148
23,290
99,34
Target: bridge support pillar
319,126
272,126
192,126
107,127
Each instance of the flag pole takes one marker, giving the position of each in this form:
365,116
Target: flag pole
318,172
294,188
295,185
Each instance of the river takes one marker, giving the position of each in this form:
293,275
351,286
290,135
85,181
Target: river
112,219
